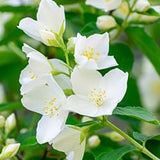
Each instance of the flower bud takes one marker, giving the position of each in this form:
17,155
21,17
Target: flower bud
114,136
106,22
10,123
10,141
2,121
71,45
142,5
9,151
94,141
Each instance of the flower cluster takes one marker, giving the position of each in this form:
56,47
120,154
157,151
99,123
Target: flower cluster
52,88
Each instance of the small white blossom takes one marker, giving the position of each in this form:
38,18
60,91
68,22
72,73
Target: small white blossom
69,141
10,123
47,98
96,95
92,52
50,22
9,151
142,5
106,22
105,5
94,141
38,66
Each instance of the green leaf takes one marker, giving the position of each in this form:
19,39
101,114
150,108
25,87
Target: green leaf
146,44
10,106
143,138
136,112
16,9
116,154
123,56
90,29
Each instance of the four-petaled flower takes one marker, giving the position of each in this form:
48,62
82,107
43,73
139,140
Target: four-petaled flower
92,52
96,95
69,141
47,98
49,26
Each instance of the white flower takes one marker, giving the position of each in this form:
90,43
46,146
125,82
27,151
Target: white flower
105,5
94,141
142,5
92,52
69,141
10,123
114,136
96,95
149,85
50,22
48,99
106,22
40,65
9,151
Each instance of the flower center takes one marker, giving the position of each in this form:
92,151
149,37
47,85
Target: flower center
107,0
89,53
50,108
97,96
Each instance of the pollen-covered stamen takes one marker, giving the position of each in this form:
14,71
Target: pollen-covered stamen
32,75
97,96
50,107
90,54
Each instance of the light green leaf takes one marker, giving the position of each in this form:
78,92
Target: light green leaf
116,154
136,112
146,44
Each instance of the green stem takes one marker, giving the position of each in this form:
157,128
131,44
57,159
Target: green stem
124,24
140,147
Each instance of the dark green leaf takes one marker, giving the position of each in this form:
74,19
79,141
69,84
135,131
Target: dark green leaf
90,29
146,44
116,154
123,56
136,112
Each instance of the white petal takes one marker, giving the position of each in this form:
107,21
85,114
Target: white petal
27,49
48,128
68,141
39,63
25,76
63,81
105,5
31,28
81,105
40,92
51,15
83,80
115,83
59,65
100,42
108,61
90,65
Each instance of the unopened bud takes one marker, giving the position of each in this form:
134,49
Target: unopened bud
94,141
9,151
142,5
10,123
71,45
2,121
10,141
114,136
106,22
